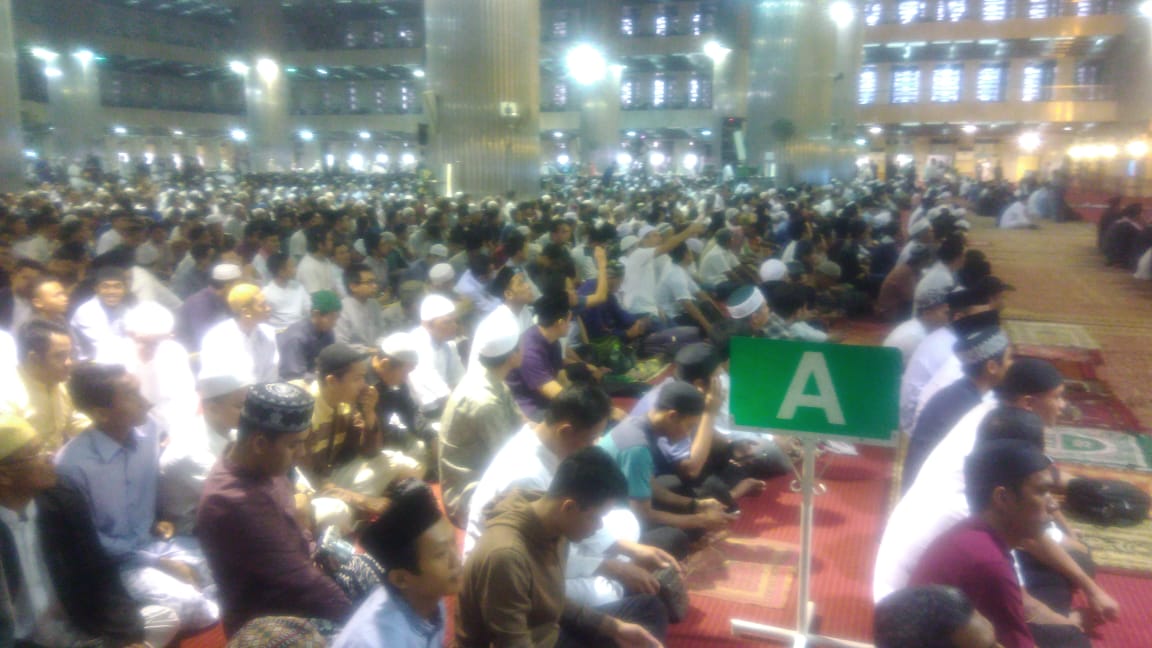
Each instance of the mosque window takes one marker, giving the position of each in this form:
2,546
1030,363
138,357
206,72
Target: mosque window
665,24
910,11
946,84
995,9
1040,9
659,91
873,12
905,84
627,93
629,16
990,83
951,10
407,98
866,90
1038,82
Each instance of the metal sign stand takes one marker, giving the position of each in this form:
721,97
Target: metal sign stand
802,636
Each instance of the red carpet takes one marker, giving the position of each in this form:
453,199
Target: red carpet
848,520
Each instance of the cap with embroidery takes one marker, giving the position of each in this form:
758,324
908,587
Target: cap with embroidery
226,272
980,345
280,408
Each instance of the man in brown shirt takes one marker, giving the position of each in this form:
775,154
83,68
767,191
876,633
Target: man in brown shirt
513,592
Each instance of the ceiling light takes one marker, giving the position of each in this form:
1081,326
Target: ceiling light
43,54
177,132
715,51
238,67
267,68
875,130
841,13
586,64
1029,141
969,128
706,133
85,56
365,135
307,135
53,72
238,135
119,130
418,73
322,71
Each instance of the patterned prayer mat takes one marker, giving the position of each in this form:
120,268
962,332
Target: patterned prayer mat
1121,548
744,570
1093,404
1052,341
1096,446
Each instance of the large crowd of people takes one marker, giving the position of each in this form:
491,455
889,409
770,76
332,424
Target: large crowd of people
278,403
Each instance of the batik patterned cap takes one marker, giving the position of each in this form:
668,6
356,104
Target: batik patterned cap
280,408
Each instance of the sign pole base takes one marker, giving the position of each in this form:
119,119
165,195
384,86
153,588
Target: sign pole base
802,636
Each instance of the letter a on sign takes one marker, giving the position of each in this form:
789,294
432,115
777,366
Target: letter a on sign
812,364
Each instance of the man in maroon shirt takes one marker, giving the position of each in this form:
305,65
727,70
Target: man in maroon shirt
247,522
1009,490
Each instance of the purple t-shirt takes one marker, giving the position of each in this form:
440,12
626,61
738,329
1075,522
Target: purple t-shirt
541,364
973,559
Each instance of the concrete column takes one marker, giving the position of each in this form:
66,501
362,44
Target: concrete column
729,71
266,86
74,105
11,130
600,101
482,55
803,70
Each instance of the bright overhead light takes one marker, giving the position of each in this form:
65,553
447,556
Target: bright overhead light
356,162
30,154
585,64
238,135
969,128
1137,148
715,51
365,135
563,159
841,13
119,130
53,72
418,73
631,133
623,159
290,69
381,158
860,141
177,132
690,161
238,67
1108,151
267,68
656,158
875,130
1029,141
307,135
1146,9
407,159
322,71
557,134
45,55
85,56
706,133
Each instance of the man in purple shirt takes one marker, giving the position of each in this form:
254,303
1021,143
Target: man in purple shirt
247,520
1009,489
207,307
539,378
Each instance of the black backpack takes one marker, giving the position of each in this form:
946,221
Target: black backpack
1108,502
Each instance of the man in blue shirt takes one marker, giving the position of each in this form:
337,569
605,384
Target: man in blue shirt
414,542
116,464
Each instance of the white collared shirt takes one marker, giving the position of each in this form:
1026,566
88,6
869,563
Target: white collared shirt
289,304
932,353
226,350
316,274
438,371
906,337
98,328
184,467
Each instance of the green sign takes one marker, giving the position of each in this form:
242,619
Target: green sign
830,390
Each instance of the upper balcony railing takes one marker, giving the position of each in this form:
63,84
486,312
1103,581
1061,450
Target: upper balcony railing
910,12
